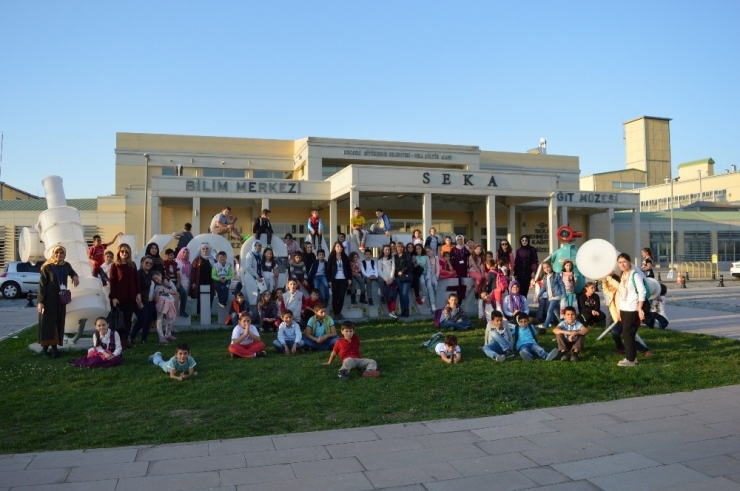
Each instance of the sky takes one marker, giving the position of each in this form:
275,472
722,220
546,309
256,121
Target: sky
499,75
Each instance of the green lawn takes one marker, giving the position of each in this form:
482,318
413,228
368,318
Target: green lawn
50,405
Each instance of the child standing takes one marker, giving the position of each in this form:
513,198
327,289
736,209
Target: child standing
172,273
320,332
317,276
449,351
245,339
431,276
552,285
357,281
298,270
497,341
106,350
569,281
221,274
238,306
525,339
453,316
293,299
571,335
369,270
387,273
164,302
289,337
657,310
348,350
433,241
416,237
182,363
315,228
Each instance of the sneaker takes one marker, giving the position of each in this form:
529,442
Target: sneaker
626,363
171,337
552,354
151,358
647,353
223,306
500,358
371,373
420,301
392,315
564,357
574,357
262,354
541,329
163,340
509,353
343,374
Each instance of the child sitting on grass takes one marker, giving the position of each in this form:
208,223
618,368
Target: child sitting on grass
289,337
453,316
449,350
268,312
657,310
320,335
182,363
348,350
571,335
498,342
106,350
245,339
525,339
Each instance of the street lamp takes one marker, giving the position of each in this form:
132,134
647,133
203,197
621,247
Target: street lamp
672,180
146,193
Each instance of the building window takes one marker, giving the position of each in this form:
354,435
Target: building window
329,170
268,174
661,246
168,171
232,173
697,246
728,246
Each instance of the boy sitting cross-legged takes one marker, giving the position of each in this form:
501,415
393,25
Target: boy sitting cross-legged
348,349
571,335
498,342
525,339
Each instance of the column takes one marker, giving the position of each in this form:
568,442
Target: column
610,224
552,220
265,205
426,213
196,216
354,201
156,223
332,222
491,222
511,235
563,215
638,236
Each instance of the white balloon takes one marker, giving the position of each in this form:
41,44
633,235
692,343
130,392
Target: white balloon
596,259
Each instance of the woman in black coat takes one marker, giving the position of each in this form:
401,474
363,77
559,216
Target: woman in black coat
52,312
339,274
526,262
404,276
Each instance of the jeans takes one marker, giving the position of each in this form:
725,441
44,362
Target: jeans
322,285
359,235
553,309
222,291
183,299
654,317
289,344
358,283
144,317
497,346
430,283
327,345
371,286
529,351
456,326
403,292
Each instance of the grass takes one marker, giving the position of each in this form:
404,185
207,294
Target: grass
50,405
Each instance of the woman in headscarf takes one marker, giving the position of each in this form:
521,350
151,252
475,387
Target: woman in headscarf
200,272
183,262
525,264
125,289
52,311
459,259
152,250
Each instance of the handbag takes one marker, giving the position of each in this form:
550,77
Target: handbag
65,296
390,292
405,277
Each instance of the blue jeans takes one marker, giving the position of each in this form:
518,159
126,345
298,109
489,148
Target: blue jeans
497,346
528,352
288,343
403,292
327,345
183,299
143,321
322,285
654,317
222,291
456,326
553,310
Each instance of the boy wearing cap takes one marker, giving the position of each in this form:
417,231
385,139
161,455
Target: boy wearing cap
262,225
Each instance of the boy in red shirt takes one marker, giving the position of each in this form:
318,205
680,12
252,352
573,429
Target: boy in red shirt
348,349
96,252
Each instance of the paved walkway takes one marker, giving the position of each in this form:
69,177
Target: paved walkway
682,441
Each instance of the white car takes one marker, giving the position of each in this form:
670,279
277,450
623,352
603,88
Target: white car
735,269
19,278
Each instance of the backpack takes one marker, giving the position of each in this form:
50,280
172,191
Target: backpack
502,283
644,282
515,334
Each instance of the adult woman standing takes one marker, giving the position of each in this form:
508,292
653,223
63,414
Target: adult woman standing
460,259
339,274
183,262
387,273
647,262
404,276
125,289
200,272
52,312
632,303
144,302
525,264
505,254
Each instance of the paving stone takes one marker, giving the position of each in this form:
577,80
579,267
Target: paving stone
33,477
401,430
719,416
73,459
220,488
171,482
446,439
491,421
692,451
503,481
287,456
716,484
109,485
544,475
638,443
652,426
727,401
108,471
15,462
719,465
650,478
511,431
341,482
509,445
197,464
554,455
734,477
602,466
375,446
241,445
726,428
567,437
571,486
166,452
252,475
319,468
581,422
427,473
418,457
410,487
318,438
651,413
491,463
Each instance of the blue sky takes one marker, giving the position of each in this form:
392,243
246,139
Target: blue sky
499,75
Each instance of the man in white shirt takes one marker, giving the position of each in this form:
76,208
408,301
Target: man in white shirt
369,268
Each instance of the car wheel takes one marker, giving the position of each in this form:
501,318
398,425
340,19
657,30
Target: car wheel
11,290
